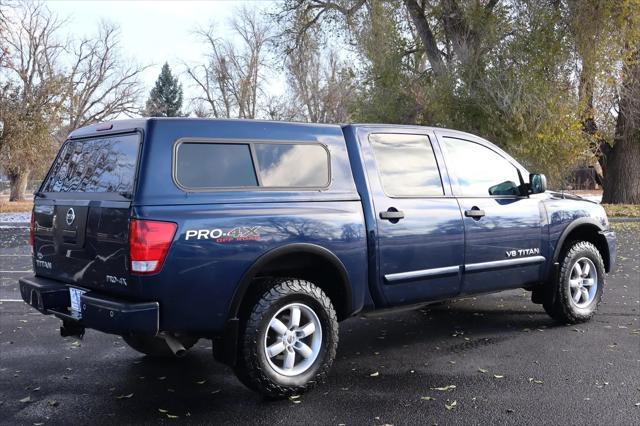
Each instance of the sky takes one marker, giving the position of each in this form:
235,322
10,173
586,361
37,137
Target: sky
154,32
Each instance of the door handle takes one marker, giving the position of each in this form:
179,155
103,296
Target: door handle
474,213
392,214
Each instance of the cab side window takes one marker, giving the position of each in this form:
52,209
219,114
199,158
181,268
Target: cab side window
477,171
406,164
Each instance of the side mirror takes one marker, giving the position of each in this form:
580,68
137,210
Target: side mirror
538,183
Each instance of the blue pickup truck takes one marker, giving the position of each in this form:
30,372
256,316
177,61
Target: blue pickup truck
262,236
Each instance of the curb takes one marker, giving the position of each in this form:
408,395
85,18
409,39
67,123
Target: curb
624,219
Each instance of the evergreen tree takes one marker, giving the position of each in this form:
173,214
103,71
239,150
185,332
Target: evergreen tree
165,99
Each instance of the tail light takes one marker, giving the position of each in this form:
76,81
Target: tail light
149,242
32,230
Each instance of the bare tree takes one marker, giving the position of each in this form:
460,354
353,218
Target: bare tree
101,84
42,98
281,108
321,84
4,19
31,91
231,79
212,77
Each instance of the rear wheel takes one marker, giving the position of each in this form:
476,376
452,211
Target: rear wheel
289,339
154,346
577,293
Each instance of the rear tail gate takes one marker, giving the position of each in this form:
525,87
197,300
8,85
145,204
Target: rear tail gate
82,211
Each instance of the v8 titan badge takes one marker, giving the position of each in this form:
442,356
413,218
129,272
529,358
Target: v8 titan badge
240,233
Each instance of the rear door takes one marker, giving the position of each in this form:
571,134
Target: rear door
82,213
503,229
420,235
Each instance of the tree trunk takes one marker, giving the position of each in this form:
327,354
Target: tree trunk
622,172
18,185
622,166
428,39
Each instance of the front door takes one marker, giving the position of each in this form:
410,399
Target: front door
420,235
503,227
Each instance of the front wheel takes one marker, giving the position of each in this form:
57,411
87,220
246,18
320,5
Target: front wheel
577,293
289,340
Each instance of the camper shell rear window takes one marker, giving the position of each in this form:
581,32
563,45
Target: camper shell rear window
106,164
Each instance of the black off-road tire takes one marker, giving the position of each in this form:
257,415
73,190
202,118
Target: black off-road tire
253,368
156,347
558,303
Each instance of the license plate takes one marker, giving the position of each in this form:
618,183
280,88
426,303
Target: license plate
76,307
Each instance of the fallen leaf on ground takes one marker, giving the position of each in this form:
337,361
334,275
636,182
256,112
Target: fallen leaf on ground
376,374
26,399
482,370
162,410
427,398
451,406
498,376
445,388
124,396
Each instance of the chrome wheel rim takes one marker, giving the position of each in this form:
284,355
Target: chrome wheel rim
293,339
583,282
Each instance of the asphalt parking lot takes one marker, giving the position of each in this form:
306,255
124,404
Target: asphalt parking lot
485,360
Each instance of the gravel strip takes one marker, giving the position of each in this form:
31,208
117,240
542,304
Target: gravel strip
15,217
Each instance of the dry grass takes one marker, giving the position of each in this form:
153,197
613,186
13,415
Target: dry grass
622,210
15,206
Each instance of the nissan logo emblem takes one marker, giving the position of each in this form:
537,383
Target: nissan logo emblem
71,216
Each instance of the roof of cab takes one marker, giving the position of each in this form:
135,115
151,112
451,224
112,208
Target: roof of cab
140,123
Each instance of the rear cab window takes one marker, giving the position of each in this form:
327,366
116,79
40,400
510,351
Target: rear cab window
209,165
99,165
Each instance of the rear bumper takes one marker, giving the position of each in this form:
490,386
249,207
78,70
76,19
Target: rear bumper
99,312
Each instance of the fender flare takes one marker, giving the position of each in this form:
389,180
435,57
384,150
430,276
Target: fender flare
225,345
313,249
571,227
